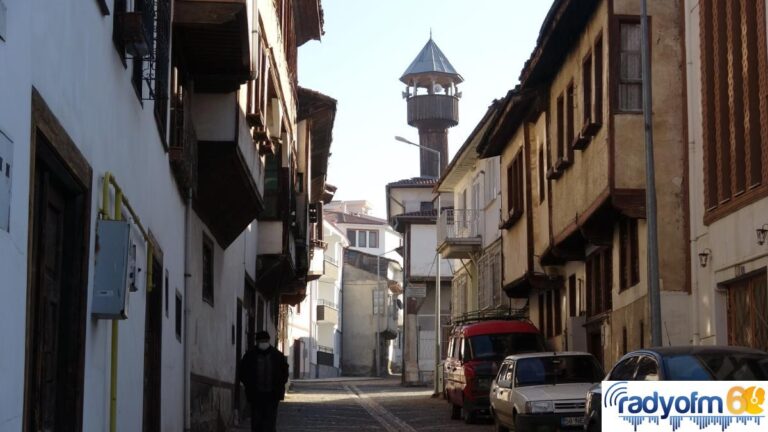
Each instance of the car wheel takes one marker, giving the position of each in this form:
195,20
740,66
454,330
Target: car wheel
498,427
468,416
455,412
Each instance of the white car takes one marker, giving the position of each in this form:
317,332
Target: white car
543,391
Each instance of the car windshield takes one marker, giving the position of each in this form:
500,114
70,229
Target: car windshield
717,366
498,346
557,370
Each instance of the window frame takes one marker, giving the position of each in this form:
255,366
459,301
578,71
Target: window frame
629,253
515,189
620,20
208,269
599,280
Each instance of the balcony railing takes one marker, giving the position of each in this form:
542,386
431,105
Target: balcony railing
460,224
459,232
324,302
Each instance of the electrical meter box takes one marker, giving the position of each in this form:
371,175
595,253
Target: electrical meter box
115,273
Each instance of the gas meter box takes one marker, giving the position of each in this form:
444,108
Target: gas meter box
115,269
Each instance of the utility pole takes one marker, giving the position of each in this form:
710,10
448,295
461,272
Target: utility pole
654,293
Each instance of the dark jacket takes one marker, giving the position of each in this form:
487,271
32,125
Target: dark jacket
277,364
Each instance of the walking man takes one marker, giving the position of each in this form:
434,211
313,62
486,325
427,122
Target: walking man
264,372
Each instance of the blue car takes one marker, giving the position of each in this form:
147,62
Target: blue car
683,363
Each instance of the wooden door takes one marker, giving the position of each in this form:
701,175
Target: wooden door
153,330
748,312
595,344
56,324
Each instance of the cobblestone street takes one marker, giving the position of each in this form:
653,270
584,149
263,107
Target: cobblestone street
366,405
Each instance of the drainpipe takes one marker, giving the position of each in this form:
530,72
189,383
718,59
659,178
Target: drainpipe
187,276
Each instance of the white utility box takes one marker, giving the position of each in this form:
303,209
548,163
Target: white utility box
115,269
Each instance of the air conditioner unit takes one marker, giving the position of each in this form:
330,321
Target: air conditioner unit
275,119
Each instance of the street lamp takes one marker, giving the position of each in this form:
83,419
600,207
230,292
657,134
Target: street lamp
437,276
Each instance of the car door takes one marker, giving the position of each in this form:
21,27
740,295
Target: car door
504,394
496,385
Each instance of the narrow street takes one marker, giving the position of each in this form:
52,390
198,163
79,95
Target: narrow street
365,405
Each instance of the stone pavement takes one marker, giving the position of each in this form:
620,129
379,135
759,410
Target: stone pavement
365,405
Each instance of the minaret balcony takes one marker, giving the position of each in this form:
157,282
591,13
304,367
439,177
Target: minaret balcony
439,110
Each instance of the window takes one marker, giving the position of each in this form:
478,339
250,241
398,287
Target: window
162,62
271,188
207,270
598,60
732,87
560,129
491,179
647,369
624,370
363,238
540,164
629,259
426,206
630,94
515,188
178,317
624,340
586,88
558,306
599,281
569,127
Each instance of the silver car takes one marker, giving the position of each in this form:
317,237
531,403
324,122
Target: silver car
543,391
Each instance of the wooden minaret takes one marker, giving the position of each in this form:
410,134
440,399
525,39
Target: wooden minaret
433,104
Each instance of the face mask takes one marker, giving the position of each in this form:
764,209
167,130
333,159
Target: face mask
263,345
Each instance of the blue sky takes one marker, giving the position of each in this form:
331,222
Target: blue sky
368,45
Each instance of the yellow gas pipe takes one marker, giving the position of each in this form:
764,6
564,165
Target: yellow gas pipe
120,201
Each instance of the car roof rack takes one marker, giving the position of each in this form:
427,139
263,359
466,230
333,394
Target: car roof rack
492,314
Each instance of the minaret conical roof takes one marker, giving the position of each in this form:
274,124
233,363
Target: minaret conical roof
431,60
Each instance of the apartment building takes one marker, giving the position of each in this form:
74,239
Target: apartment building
570,138
726,121
159,136
469,233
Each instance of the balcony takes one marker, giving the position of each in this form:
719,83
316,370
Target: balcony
227,198
459,233
327,312
212,36
436,109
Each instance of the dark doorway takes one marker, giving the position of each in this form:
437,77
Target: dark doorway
297,358
595,344
57,294
153,334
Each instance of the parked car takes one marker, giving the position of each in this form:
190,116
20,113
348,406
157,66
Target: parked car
543,391
684,363
475,351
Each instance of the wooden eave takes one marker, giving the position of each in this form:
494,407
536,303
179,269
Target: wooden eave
465,159
558,35
514,112
308,19
320,110
213,41
227,198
